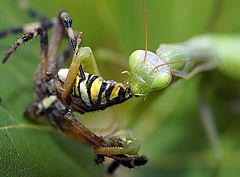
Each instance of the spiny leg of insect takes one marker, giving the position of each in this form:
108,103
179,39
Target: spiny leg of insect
24,29
71,127
58,32
23,4
67,22
199,68
63,118
110,150
31,33
43,21
62,58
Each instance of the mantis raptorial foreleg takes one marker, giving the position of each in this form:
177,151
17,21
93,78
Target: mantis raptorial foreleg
121,142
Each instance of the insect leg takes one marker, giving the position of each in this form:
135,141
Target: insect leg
74,69
113,166
63,21
67,23
6,32
31,32
55,41
63,57
23,4
208,122
110,150
126,161
63,119
24,29
199,68
44,21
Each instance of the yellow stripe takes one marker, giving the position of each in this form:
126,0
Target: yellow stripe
103,95
76,85
115,92
84,94
95,88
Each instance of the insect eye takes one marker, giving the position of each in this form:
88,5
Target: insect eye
148,73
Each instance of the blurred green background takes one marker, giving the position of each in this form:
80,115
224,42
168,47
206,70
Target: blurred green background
167,123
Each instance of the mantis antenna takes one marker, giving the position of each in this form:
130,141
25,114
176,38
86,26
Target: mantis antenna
146,28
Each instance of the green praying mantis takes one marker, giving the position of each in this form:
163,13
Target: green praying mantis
155,71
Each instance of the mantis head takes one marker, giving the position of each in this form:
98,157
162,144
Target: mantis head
148,72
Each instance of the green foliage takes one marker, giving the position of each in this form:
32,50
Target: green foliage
167,123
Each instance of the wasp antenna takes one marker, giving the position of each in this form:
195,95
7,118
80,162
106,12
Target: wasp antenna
146,28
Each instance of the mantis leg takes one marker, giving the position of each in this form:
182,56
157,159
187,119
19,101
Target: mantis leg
86,58
110,150
209,125
121,142
83,60
199,68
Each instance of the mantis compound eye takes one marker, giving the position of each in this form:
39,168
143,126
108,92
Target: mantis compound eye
148,72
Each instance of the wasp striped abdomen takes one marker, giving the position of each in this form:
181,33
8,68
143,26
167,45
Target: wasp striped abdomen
94,93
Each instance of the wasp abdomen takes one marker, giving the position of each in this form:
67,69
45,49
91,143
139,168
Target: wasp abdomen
94,93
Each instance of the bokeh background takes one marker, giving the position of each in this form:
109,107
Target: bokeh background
167,122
